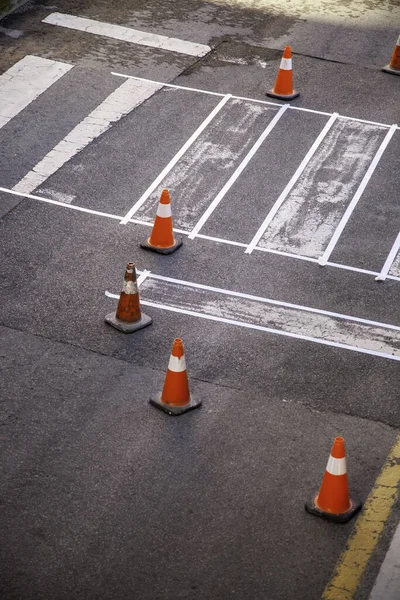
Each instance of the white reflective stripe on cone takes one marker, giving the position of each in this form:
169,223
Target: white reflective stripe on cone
398,41
286,64
177,364
130,287
164,210
336,466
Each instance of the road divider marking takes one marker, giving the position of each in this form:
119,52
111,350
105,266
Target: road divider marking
200,235
368,528
174,160
338,232
237,172
127,34
25,81
272,316
122,101
291,184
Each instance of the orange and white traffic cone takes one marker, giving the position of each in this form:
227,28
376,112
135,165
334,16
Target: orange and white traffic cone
333,502
175,397
283,88
128,317
394,65
162,238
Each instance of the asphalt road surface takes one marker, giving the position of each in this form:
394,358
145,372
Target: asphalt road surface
285,292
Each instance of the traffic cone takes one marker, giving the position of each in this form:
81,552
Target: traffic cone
283,88
162,238
175,397
128,317
333,502
394,65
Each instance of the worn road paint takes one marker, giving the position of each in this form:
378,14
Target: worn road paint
272,316
122,101
236,173
360,190
314,207
25,81
368,528
292,182
126,34
174,160
210,162
58,196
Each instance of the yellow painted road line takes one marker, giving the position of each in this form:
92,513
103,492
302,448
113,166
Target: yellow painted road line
369,526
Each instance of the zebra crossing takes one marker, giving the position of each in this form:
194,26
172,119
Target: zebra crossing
221,179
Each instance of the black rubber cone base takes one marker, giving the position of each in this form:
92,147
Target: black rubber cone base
146,246
174,411
389,69
313,509
272,94
112,320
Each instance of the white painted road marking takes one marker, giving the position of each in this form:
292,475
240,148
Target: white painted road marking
394,277
25,81
312,210
338,232
118,104
197,179
290,185
388,262
256,100
174,160
237,172
126,34
272,316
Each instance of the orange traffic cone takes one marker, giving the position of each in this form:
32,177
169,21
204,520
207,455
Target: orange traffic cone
333,502
162,238
283,88
175,397
394,65
128,317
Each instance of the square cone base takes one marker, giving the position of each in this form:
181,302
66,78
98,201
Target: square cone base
112,320
389,69
146,246
174,411
313,509
272,94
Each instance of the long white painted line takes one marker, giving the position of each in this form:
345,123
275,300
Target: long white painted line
299,108
300,307
25,81
300,322
57,203
342,224
205,216
126,34
388,262
181,231
174,160
290,185
122,101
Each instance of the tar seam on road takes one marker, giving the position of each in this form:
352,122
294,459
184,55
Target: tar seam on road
369,526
